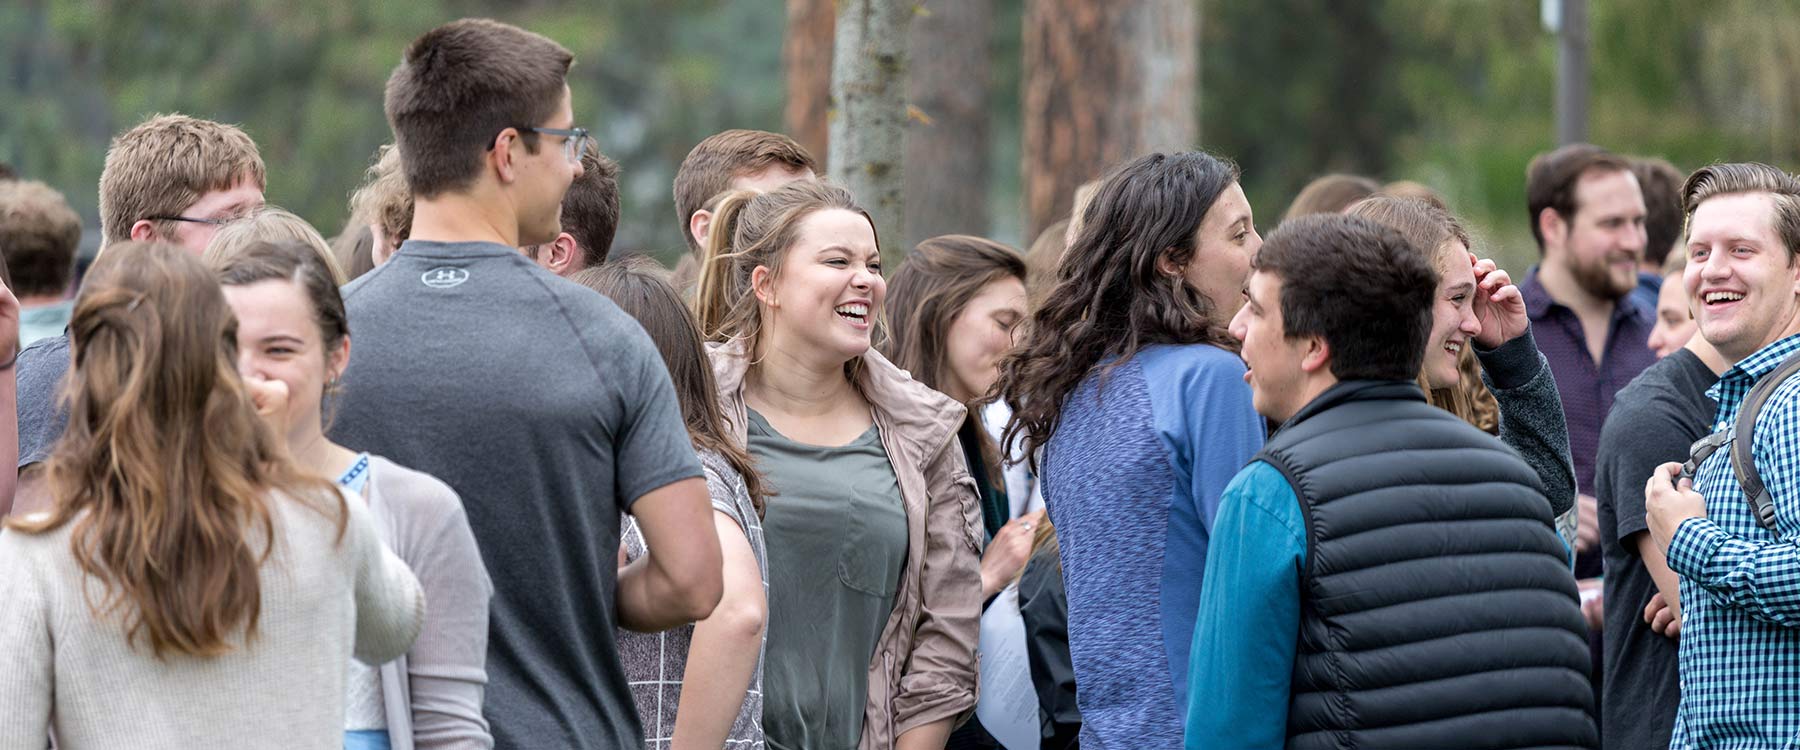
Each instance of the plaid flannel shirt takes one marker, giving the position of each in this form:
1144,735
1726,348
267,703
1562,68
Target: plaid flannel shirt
1740,583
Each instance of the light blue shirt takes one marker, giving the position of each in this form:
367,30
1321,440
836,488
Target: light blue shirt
1248,626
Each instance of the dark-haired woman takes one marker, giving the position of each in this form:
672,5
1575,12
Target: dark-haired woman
292,328
1130,396
189,587
697,685
872,524
953,311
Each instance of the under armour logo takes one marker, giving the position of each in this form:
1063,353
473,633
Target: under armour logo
444,277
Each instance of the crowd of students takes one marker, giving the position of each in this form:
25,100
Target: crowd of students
460,480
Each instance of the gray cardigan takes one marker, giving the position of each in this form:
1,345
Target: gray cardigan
1532,421
433,693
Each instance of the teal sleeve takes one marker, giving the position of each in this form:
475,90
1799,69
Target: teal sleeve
1248,626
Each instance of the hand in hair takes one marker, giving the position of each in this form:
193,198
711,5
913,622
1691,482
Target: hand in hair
1499,305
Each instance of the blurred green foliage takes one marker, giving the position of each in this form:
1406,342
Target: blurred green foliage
1454,93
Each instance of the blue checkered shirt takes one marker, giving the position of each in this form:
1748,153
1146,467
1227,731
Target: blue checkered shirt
1740,584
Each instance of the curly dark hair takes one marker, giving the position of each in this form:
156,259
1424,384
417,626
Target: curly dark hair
1109,299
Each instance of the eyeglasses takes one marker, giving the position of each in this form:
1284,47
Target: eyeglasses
575,140
194,220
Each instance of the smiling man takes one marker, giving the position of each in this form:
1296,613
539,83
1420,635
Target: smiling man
1740,580
1382,574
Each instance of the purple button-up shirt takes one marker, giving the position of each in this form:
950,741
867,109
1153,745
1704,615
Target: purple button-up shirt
1587,388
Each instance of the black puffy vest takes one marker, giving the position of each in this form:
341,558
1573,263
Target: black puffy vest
1437,606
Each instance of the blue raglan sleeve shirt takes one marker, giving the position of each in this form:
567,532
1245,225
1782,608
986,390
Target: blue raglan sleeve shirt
1210,429
1248,626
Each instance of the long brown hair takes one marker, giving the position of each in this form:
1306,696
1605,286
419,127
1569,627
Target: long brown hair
636,285
751,229
924,298
1110,298
165,468
1436,234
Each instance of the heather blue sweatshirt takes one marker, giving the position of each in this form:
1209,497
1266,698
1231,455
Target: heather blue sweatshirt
1132,478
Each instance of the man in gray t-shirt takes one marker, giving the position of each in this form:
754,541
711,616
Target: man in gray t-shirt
545,406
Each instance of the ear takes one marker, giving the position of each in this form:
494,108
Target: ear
564,252
1318,355
761,285
143,230
1165,264
1551,224
700,225
501,156
339,359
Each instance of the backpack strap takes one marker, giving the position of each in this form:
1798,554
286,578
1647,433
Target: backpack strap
1762,504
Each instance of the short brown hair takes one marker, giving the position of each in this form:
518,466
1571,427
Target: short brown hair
1660,182
709,169
166,164
1750,177
39,235
1331,194
590,209
1551,177
458,86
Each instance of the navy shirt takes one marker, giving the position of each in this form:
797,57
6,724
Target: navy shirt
1587,388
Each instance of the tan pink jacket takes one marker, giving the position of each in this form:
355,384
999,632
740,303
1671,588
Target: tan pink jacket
924,665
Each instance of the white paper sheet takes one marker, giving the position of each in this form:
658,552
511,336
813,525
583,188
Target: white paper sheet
1007,706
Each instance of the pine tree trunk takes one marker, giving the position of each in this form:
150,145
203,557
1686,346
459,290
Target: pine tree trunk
947,144
1104,82
806,54
868,88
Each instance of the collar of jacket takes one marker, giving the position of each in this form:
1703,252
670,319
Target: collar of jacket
924,420
1356,390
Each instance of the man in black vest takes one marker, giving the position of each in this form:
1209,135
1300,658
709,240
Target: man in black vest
1382,574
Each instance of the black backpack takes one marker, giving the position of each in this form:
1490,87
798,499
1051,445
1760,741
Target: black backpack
1762,504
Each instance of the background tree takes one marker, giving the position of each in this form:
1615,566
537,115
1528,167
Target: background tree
806,56
947,148
1104,82
868,87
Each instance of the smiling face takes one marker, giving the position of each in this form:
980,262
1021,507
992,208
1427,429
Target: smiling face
1224,243
279,339
1602,245
1674,323
823,302
980,336
1741,281
1276,375
1453,321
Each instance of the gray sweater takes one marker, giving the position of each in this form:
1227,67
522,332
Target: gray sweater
1532,422
433,692
64,667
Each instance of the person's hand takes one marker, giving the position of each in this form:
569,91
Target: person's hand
1007,554
1668,504
1587,523
1499,305
270,397
1662,618
1593,602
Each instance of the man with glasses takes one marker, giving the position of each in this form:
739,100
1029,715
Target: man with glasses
543,404
590,218
1734,548
171,179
